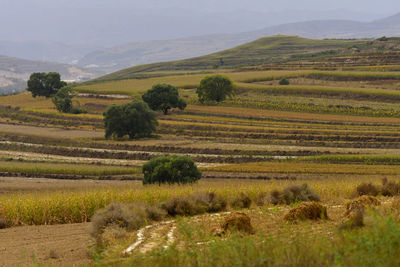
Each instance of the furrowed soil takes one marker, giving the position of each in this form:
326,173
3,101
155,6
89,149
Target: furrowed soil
49,245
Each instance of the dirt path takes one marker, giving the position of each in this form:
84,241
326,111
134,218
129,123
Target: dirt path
55,245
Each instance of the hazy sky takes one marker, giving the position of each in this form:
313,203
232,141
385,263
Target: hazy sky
110,22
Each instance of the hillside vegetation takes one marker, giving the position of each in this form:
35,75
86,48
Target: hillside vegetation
267,50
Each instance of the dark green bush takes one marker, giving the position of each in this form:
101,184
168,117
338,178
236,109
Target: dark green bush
284,81
172,169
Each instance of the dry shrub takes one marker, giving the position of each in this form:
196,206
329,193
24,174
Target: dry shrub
210,201
293,194
367,189
237,221
196,204
121,216
3,223
359,204
112,233
390,189
241,202
261,199
307,211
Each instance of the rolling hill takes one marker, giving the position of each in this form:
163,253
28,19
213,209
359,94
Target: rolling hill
267,50
132,54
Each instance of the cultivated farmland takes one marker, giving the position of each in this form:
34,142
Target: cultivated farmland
336,126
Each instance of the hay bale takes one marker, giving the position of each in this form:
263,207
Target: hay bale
356,220
237,221
307,211
359,204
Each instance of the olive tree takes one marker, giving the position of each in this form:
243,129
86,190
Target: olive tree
164,97
172,169
44,84
215,88
134,119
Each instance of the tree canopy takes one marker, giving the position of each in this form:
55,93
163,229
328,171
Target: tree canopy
164,97
215,88
63,99
172,169
134,119
45,84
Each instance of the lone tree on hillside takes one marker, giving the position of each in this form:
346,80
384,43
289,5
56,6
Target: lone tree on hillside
134,119
215,88
164,97
170,170
45,84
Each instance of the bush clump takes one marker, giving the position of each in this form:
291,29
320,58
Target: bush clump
367,189
293,194
122,216
3,223
284,81
390,189
172,169
241,202
307,211
194,204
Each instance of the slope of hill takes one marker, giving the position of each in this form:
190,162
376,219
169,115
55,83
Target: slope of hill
15,71
165,50
267,50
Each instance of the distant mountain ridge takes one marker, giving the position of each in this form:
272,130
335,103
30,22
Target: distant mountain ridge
166,50
14,72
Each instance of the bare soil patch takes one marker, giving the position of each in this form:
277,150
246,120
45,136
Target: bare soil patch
54,245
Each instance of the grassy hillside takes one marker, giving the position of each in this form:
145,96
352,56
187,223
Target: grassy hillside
275,49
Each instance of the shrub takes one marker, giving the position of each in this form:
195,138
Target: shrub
261,199
293,194
3,223
215,88
241,202
390,188
195,204
284,81
172,169
117,214
367,189
182,206
237,221
78,111
307,211
211,201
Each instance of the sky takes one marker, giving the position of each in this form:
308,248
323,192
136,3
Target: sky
112,22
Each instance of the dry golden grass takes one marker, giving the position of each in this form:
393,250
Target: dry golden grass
261,113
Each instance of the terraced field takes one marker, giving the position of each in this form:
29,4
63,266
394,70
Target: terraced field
335,126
